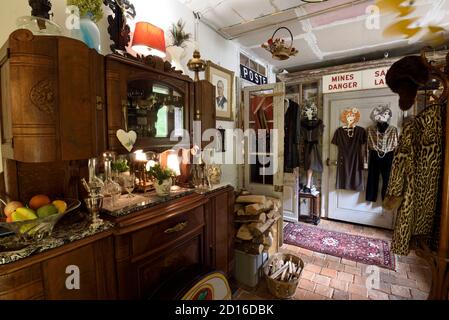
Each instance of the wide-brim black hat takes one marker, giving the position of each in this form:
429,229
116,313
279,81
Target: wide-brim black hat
405,77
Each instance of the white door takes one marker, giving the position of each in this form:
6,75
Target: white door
346,205
264,160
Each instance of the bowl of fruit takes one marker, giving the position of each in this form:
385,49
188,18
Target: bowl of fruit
37,219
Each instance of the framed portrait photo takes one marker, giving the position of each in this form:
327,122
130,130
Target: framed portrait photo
223,80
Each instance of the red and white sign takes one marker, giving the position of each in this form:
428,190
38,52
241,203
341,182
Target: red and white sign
357,80
374,78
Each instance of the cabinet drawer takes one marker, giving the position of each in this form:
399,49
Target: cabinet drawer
22,285
149,239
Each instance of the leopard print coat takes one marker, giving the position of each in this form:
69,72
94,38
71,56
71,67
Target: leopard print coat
414,182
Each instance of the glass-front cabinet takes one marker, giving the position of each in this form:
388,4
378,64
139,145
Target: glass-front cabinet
155,110
150,99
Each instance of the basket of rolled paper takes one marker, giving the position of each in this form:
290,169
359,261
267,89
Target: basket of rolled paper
282,272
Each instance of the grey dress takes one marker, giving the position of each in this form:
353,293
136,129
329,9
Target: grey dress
350,158
311,131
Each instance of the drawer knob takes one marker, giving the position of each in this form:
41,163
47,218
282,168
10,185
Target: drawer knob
179,227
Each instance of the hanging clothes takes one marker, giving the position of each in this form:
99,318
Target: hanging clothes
350,157
292,127
382,140
413,188
311,131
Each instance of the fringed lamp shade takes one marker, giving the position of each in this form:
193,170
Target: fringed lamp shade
149,40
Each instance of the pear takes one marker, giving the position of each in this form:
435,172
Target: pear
47,210
22,214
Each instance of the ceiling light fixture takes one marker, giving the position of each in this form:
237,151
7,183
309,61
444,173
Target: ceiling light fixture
278,48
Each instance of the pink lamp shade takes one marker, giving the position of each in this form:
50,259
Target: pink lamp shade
149,39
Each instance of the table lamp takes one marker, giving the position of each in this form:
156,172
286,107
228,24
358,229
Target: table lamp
149,40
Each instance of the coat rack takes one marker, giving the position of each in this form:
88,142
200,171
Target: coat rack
439,261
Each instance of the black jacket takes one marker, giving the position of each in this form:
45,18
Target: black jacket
292,128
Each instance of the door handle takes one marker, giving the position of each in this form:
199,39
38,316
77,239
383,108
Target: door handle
331,162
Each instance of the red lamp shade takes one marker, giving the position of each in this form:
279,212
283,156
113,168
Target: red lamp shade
149,39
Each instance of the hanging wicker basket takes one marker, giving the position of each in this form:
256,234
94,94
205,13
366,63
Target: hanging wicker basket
278,48
283,289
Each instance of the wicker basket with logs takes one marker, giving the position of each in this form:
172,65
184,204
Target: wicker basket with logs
282,272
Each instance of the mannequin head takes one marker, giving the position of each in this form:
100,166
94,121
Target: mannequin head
350,117
381,114
310,111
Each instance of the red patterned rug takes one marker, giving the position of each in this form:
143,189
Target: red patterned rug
365,250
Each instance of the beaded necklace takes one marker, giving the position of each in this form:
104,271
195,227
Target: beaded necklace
381,151
349,131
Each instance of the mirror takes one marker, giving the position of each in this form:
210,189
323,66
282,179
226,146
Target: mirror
155,110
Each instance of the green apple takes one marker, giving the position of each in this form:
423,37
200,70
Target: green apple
47,211
22,214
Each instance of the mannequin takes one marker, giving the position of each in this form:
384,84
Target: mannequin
350,140
382,141
311,131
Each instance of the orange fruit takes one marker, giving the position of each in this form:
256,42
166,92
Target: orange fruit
60,205
39,201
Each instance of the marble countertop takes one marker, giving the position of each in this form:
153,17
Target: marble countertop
77,225
74,227
124,205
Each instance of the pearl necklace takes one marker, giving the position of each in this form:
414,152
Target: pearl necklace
381,152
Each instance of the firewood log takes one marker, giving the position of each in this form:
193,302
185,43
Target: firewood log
251,248
254,208
268,205
261,217
257,228
251,199
237,207
268,241
244,233
271,214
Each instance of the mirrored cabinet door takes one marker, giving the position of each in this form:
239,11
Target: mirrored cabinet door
155,111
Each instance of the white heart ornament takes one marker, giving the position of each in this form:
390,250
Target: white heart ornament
127,139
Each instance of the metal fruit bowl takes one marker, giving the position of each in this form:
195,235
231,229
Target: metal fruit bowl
39,228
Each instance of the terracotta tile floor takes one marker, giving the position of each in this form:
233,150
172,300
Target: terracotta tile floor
327,277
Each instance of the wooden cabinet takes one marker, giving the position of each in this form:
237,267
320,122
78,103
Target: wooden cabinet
44,276
150,98
220,230
153,244
204,112
132,260
52,93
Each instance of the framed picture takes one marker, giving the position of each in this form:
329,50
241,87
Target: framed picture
309,92
223,80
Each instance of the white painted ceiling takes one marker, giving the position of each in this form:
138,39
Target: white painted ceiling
325,31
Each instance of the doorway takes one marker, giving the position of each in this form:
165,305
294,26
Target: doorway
346,205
